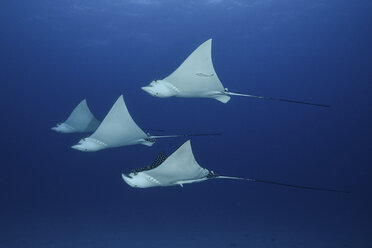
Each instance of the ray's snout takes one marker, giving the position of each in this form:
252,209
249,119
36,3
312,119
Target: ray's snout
128,179
148,90
161,88
63,128
89,145
78,147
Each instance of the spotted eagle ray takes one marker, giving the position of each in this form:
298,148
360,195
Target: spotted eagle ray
119,129
81,120
181,168
196,77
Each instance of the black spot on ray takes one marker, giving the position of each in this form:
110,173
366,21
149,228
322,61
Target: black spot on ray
158,161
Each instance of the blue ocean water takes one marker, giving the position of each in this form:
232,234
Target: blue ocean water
53,54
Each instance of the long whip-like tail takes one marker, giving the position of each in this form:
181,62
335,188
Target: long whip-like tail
277,183
153,130
276,99
183,135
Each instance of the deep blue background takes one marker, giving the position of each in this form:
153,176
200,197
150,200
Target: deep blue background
55,53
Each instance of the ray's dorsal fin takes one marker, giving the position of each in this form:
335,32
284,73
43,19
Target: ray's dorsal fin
159,159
